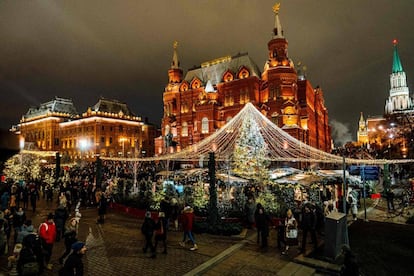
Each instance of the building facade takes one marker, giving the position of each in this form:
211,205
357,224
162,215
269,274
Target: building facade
109,128
208,96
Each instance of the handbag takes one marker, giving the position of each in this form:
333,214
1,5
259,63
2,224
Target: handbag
292,233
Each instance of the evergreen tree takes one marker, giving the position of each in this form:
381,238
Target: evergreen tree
250,152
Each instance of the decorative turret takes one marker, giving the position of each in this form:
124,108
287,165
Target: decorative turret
278,45
175,74
277,31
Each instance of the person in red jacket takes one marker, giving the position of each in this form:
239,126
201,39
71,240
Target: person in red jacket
47,233
187,222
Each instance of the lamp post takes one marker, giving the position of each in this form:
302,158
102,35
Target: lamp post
83,145
21,146
122,140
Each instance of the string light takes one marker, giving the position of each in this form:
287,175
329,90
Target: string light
281,146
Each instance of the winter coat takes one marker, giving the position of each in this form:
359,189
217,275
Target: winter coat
187,221
164,223
102,205
18,219
148,227
61,215
47,231
25,230
262,221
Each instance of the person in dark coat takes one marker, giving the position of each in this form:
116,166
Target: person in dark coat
161,232
33,242
27,263
308,225
70,237
61,215
19,218
262,225
102,205
147,230
74,265
165,207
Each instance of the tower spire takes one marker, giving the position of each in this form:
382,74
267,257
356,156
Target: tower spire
175,64
399,99
277,30
396,62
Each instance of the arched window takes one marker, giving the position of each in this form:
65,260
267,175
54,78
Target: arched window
184,129
204,125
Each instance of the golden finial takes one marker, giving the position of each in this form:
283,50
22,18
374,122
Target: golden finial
175,44
276,8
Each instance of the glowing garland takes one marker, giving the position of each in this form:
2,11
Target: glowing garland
281,146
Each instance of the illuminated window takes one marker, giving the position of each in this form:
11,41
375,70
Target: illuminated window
228,76
204,125
184,130
244,73
244,96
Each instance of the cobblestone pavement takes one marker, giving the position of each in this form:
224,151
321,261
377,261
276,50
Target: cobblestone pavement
115,248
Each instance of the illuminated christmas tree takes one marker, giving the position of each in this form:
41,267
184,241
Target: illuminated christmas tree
250,152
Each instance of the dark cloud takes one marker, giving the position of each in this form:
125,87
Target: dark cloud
122,49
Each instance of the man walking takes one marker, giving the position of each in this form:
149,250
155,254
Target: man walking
308,225
47,233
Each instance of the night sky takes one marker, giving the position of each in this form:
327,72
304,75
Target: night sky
123,49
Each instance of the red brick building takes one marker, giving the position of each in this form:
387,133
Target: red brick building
208,96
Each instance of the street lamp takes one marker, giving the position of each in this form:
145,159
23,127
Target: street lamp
83,145
123,139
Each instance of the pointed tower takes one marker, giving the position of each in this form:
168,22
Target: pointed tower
280,80
175,74
362,133
399,98
171,100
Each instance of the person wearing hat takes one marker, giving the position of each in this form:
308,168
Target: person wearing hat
73,264
147,229
161,231
47,233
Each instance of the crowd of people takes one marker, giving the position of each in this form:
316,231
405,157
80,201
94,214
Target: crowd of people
155,231
35,244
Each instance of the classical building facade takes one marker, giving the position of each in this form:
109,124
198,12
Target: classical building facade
206,97
109,128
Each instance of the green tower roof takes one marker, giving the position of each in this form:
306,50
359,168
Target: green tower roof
396,62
